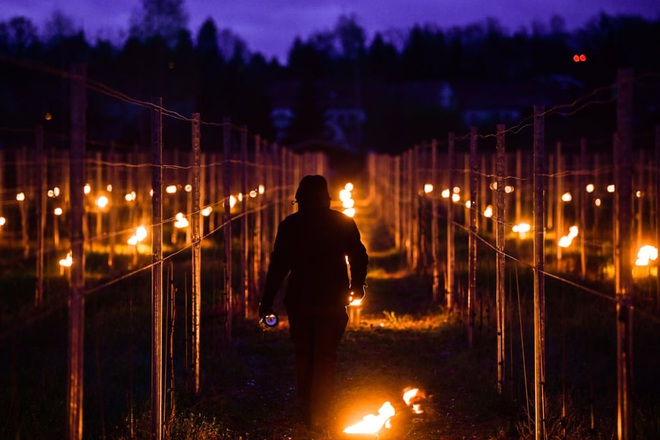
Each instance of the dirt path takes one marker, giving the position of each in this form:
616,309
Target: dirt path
401,341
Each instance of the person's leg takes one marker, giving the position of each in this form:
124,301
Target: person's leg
328,331
301,329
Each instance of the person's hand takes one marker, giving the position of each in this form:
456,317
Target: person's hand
265,309
356,293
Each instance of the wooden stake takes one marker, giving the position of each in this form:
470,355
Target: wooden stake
77,282
451,255
539,277
157,270
472,238
500,293
196,288
623,246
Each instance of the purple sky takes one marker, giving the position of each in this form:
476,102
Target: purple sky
269,26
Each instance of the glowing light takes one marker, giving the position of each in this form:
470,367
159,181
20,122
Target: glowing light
207,211
488,212
181,221
102,202
646,254
57,211
232,201
130,197
567,240
409,396
566,197
493,186
468,204
170,189
350,212
428,188
355,302
3,221
590,188
456,197
611,188
67,261
20,196
522,228
344,194
456,190
508,189
140,234
349,186
108,188
371,423
87,188
445,194
151,192
639,194
348,203
48,116
240,197
253,194
597,202
187,188
262,189
51,193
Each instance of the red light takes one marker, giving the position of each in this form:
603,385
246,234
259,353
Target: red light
583,57
576,58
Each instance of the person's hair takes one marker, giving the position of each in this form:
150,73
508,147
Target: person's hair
313,191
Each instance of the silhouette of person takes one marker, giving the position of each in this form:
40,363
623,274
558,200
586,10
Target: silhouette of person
312,247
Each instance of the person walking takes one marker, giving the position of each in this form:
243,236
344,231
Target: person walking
312,248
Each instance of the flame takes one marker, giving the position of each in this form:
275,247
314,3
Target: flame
408,397
371,423
646,254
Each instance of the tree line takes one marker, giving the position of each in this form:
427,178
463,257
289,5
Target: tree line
214,72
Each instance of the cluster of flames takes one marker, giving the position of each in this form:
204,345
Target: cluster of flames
373,423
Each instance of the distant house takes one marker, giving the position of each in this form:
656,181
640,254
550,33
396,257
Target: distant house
344,106
487,103
343,116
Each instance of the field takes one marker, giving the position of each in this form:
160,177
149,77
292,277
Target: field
401,340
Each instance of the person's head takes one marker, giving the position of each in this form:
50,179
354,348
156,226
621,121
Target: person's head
313,191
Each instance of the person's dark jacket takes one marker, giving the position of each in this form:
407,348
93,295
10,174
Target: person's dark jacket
312,246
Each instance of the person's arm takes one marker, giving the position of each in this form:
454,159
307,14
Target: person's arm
358,260
280,264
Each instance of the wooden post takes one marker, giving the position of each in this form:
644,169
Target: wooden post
414,202
583,200
114,208
245,279
157,271
398,201
2,190
500,293
22,171
226,160
257,235
40,201
434,222
196,288
558,201
472,238
623,246
519,185
77,282
451,255
539,277
657,210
